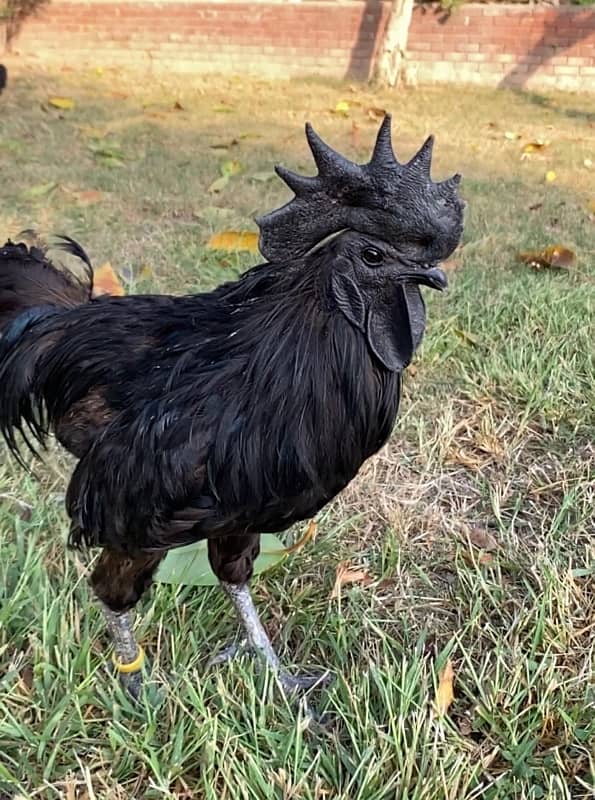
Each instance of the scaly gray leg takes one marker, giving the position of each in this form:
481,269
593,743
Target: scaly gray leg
128,655
259,640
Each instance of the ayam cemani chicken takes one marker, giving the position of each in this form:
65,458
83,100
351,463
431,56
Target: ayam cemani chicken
227,414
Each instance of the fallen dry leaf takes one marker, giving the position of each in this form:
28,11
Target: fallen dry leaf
93,132
309,536
342,108
63,103
466,459
106,281
511,135
228,170
224,145
86,197
484,542
145,273
376,113
231,168
108,156
533,147
445,692
482,539
26,676
346,574
556,256
450,265
490,444
218,184
234,241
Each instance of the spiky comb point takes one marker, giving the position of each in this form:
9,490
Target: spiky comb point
383,198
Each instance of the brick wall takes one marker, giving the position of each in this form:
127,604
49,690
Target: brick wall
486,44
506,45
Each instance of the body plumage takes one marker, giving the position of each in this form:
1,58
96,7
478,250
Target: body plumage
225,414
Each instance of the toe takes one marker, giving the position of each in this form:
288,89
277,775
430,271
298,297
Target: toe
296,683
133,683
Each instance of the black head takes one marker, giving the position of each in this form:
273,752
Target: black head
398,203
377,290
376,231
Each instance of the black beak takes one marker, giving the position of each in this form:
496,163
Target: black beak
433,277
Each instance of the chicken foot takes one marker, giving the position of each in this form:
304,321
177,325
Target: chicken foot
128,655
260,643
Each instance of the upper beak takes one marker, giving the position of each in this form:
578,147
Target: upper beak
433,277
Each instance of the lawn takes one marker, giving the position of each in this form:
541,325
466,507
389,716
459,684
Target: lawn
474,525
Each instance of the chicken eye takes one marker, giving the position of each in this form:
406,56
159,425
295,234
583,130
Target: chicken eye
372,257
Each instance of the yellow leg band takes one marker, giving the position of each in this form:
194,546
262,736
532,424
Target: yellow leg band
133,666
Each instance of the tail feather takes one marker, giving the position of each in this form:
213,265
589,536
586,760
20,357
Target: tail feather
68,245
32,290
22,409
29,279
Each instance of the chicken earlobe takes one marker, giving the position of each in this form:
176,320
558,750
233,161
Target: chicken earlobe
348,298
395,324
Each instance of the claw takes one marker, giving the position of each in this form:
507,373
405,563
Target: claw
132,682
227,654
304,683
289,683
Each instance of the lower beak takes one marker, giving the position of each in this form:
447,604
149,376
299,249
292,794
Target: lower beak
433,277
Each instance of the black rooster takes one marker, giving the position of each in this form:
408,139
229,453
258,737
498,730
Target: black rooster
222,415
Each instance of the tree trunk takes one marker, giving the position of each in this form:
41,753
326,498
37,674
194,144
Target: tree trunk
393,48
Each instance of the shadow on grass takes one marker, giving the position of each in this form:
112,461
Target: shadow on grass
543,101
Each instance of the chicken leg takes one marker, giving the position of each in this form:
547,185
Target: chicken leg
128,656
259,641
232,559
119,579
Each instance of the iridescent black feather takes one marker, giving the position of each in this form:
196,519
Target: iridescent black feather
244,409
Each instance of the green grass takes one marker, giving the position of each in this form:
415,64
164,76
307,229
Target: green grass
495,435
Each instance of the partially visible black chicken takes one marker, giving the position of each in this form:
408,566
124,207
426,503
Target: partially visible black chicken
222,415
3,77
